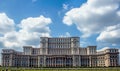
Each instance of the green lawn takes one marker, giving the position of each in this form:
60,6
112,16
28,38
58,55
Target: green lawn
60,69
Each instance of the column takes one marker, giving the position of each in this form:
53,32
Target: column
38,61
55,61
90,64
74,61
52,61
10,62
65,61
44,61
62,61
79,60
28,61
49,61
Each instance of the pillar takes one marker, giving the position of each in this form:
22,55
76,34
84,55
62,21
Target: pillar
44,61
55,61
28,61
90,61
38,61
79,60
74,63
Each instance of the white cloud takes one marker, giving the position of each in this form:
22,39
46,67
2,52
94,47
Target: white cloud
33,28
10,40
6,24
65,6
37,24
36,27
29,33
94,16
111,35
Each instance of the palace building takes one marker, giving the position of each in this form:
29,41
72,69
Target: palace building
60,52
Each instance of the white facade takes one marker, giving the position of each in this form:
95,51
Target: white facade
60,52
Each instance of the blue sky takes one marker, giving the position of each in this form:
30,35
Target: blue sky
96,22
21,9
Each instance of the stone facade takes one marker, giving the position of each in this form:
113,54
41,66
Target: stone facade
60,52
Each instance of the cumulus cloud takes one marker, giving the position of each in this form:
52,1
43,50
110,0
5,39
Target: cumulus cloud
34,27
94,16
111,35
29,33
35,24
6,24
10,40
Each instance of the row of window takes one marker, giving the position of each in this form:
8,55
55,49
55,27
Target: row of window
60,40
59,45
112,50
7,51
59,52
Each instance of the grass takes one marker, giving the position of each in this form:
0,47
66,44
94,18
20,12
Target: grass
59,69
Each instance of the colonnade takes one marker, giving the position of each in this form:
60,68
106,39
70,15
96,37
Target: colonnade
59,61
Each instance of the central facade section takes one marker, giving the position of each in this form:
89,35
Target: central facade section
60,51
59,46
